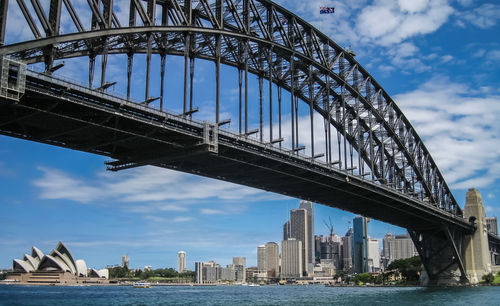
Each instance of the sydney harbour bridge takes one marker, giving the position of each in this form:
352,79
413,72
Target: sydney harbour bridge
364,156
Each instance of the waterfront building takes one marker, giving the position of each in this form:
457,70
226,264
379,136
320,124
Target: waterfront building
360,245
347,246
125,261
261,258
309,206
291,258
324,268
492,225
198,272
228,273
58,267
207,272
272,255
181,261
299,230
397,247
373,255
240,268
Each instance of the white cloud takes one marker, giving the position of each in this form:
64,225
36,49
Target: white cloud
459,129
209,211
145,184
388,22
182,219
446,58
484,17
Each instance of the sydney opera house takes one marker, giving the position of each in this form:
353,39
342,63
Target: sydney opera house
57,268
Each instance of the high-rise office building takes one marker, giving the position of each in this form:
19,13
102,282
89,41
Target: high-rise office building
373,255
299,231
347,247
286,230
261,258
291,258
309,206
126,261
492,225
198,272
240,268
228,273
207,272
272,259
397,247
181,261
360,245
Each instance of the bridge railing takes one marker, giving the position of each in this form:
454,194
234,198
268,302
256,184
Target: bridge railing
248,139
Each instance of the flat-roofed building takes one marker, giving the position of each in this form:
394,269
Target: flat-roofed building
291,258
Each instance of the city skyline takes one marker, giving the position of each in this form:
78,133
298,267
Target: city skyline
51,194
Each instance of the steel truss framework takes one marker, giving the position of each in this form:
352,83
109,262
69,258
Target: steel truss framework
257,37
262,38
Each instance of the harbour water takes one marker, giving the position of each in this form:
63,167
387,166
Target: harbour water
240,295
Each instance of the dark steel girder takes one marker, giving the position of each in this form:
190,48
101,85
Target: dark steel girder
260,25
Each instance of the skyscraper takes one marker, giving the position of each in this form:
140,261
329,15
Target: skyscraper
360,245
240,268
181,261
299,231
347,250
397,247
492,225
272,259
291,258
373,255
126,261
261,258
309,206
286,230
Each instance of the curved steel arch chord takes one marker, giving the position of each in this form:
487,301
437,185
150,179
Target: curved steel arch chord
300,43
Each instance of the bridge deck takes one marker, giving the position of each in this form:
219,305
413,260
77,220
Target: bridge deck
135,135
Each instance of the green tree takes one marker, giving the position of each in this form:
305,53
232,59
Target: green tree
363,278
409,268
488,278
118,272
137,273
340,274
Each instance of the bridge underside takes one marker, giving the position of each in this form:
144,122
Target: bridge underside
134,135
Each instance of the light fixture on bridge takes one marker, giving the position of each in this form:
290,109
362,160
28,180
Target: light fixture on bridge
106,85
190,112
56,67
251,132
276,140
366,174
335,162
149,100
227,121
351,169
318,155
299,148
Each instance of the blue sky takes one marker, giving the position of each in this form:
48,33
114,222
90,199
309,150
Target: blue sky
439,60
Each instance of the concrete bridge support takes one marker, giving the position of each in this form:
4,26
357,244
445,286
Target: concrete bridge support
477,254
451,256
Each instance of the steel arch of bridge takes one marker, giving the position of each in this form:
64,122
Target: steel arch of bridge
261,38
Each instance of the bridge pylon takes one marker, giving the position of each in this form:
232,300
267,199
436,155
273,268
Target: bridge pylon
442,251
477,254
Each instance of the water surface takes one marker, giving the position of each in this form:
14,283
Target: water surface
240,295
